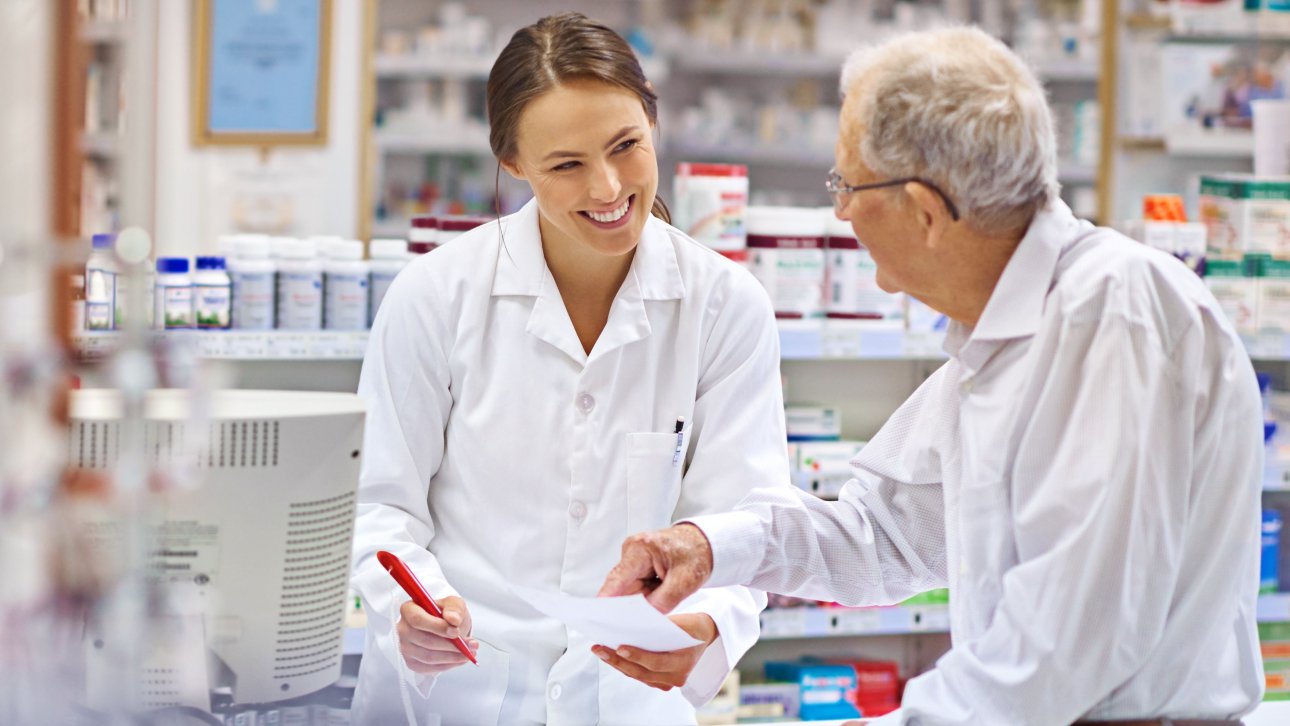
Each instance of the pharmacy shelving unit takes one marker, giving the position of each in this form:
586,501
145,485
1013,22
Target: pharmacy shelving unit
1171,160
86,168
1068,80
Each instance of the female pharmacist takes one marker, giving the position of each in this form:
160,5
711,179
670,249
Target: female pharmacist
524,386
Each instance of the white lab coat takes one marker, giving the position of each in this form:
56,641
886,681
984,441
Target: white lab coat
498,452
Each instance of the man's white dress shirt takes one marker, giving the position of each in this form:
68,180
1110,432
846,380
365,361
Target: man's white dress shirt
1084,474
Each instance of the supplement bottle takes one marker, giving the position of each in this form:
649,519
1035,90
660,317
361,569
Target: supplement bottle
100,284
389,256
424,235
300,282
345,287
174,295
212,294
786,253
852,291
450,228
711,202
252,275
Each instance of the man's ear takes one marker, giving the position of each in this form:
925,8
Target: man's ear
510,168
930,211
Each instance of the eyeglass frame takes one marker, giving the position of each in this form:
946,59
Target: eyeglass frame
836,186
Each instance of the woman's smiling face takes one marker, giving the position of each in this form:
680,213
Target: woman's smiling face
586,149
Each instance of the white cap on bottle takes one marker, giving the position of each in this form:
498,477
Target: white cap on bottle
345,249
389,248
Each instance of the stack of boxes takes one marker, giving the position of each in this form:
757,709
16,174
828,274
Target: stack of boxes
1247,221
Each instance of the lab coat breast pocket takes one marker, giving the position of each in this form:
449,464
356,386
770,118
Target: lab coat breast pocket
653,481
472,696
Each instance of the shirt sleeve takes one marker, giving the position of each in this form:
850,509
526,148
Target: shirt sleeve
881,542
737,443
404,384
1099,502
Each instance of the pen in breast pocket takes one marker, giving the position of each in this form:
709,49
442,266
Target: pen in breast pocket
680,426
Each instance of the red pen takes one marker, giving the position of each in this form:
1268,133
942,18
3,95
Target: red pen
413,587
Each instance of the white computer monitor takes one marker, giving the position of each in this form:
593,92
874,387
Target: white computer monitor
262,542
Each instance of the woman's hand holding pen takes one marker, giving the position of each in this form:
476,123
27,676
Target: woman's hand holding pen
426,641
664,671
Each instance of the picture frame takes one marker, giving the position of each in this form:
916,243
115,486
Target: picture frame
261,72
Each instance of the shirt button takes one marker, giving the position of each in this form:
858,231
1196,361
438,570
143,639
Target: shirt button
555,691
586,402
577,510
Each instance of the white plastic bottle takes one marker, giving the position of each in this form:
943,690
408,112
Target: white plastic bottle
174,294
786,253
454,226
300,282
252,275
345,287
226,244
389,256
212,294
424,235
100,284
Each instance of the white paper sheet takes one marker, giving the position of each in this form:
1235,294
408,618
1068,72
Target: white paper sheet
610,621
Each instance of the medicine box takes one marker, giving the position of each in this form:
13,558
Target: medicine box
813,423
826,691
877,686
767,702
823,467
724,707
1244,213
1274,643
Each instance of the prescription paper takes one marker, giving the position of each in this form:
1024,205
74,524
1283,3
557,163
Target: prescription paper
610,621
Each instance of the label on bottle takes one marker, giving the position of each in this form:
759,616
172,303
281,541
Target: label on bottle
380,285
213,306
253,300
175,306
300,300
346,301
100,298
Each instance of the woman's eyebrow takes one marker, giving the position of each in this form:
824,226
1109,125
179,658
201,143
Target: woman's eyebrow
624,131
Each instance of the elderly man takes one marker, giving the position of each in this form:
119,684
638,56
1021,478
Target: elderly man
1083,473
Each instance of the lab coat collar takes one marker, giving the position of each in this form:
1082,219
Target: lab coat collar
522,270
521,266
1016,307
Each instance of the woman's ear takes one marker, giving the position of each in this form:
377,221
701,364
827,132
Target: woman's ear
512,169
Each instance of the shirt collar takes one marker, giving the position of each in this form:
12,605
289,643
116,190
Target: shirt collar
1016,306
521,266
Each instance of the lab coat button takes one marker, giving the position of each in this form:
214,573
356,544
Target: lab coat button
577,510
586,402
555,691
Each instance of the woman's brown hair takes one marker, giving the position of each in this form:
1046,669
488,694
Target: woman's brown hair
555,50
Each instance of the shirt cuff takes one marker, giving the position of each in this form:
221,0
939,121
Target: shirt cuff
738,544
708,674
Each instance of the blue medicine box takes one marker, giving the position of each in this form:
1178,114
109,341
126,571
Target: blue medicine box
827,690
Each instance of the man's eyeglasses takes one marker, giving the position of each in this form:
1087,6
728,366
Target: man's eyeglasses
839,189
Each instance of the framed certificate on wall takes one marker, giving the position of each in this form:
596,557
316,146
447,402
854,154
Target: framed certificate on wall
260,72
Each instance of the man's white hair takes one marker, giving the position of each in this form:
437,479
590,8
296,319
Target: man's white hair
959,108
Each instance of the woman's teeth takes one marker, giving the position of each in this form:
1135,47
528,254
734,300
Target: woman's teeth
614,216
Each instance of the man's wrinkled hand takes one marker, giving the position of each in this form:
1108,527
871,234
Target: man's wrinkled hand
665,566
